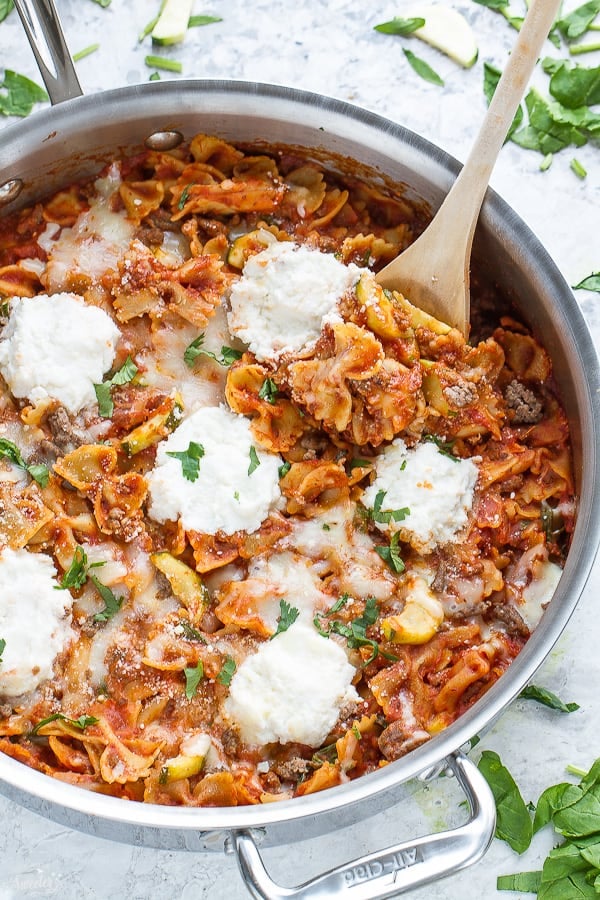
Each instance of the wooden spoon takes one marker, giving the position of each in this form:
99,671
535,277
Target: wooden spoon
433,272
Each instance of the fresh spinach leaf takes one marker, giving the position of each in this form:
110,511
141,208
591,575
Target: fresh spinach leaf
513,823
547,698
422,68
18,94
590,283
399,25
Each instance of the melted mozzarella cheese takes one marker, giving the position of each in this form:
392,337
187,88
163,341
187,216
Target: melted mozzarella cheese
35,620
285,296
94,245
291,689
57,347
538,593
436,491
231,493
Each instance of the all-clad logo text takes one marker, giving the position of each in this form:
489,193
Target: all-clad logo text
388,866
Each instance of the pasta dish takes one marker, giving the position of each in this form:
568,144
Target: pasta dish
265,526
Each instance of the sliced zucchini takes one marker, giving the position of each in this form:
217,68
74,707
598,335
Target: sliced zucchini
163,422
448,31
185,583
172,23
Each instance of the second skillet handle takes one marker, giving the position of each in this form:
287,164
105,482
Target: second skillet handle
44,33
389,872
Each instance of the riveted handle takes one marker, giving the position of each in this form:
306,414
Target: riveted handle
44,33
397,869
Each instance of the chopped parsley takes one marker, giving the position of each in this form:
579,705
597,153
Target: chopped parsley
189,459
2,647
77,574
38,472
193,677
81,723
124,375
284,469
254,461
287,616
190,633
196,348
112,603
444,447
385,516
356,631
227,671
268,391
390,554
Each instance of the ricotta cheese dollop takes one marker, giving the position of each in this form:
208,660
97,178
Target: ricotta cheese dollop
285,296
35,620
237,483
291,689
437,492
57,346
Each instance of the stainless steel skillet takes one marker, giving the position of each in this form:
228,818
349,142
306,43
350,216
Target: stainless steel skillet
71,141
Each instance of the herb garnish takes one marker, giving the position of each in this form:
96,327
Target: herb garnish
124,375
6,6
87,51
284,469
422,68
77,574
189,459
227,671
193,677
287,616
19,94
228,354
268,391
547,698
38,472
513,823
356,631
161,62
190,633
398,25
196,21
112,603
571,868
254,461
2,647
391,555
385,516
444,447
590,283
81,723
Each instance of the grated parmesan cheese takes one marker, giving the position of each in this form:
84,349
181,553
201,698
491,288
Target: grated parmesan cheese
285,296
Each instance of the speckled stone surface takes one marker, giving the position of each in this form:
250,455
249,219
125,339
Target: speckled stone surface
329,46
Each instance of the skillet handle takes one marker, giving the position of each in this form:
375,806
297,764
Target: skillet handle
44,33
396,869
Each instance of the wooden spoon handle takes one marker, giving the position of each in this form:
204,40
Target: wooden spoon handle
469,189
433,272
